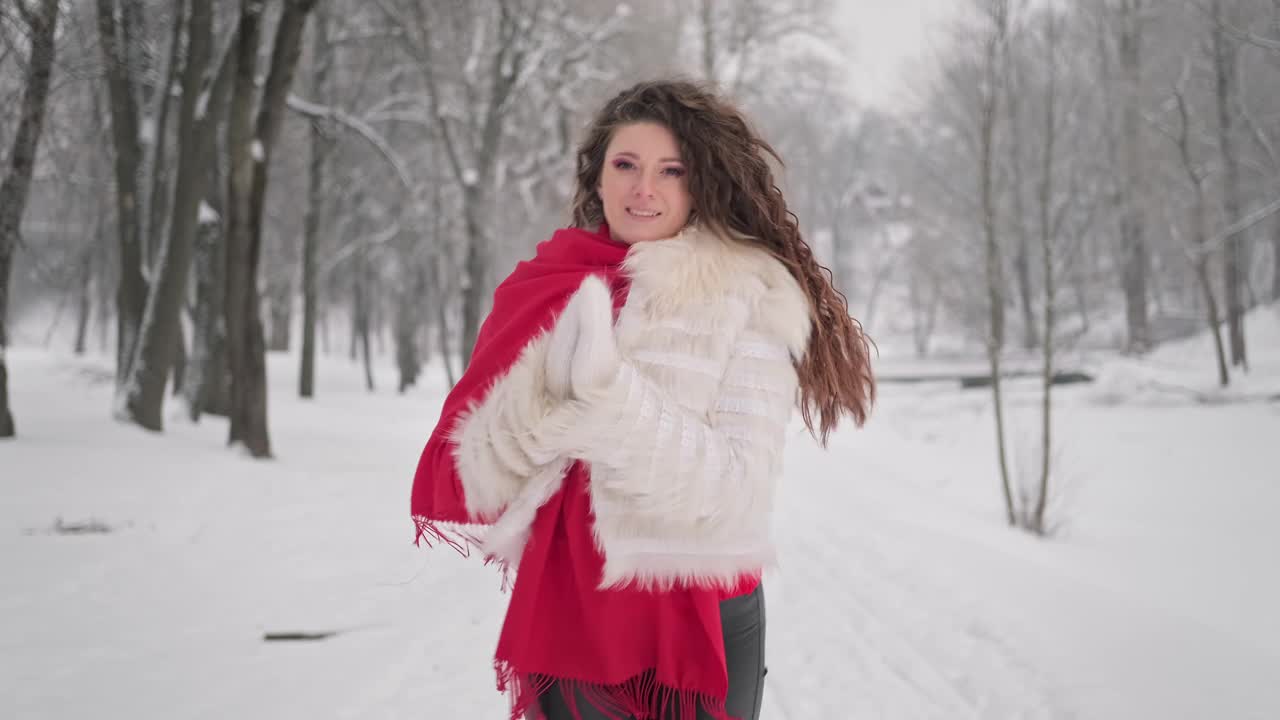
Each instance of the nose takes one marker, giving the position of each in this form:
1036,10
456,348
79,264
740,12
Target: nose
644,185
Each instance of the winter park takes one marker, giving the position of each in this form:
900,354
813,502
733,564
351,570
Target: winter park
248,249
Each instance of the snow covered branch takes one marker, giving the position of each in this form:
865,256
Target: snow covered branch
360,127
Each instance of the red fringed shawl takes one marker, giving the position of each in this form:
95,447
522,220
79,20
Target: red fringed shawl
631,652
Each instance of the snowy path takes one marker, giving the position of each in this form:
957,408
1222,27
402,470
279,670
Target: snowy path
900,596
905,649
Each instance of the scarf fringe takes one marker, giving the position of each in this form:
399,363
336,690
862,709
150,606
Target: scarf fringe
639,698
463,538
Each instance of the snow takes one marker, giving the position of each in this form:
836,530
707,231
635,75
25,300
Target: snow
470,177
257,151
147,130
901,594
207,215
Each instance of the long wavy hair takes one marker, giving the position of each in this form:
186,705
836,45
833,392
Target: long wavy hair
734,193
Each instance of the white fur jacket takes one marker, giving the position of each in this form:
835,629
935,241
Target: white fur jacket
679,409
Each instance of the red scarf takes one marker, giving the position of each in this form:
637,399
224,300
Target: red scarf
630,652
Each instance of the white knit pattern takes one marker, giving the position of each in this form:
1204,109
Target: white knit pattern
685,442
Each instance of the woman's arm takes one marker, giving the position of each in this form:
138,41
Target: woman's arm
666,460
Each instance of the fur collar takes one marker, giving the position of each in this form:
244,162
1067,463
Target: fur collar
698,267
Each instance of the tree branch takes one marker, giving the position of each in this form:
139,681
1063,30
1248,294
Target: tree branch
1244,36
360,127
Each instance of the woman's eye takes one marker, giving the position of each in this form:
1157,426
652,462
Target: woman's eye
674,172
623,164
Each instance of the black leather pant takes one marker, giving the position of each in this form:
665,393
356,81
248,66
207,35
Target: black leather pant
744,630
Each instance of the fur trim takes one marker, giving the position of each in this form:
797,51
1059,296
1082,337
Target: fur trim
680,408
783,311
685,442
594,359
493,450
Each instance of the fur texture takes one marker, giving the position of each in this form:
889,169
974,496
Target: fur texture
680,408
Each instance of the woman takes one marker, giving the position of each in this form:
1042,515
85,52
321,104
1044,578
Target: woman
625,468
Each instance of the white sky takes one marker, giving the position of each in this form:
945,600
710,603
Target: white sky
885,39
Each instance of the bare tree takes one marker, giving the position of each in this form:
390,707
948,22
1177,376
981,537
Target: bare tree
1050,220
321,144
1198,252
160,333
118,40
1225,80
499,60
738,40
41,21
250,150
1275,228
1021,236
995,47
206,386
1123,21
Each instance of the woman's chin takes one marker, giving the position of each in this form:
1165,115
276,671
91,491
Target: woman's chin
645,233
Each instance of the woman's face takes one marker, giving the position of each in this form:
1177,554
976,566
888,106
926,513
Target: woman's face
644,185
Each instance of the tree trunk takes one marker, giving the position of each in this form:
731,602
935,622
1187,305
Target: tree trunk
179,361
241,280
995,282
1047,247
247,196
360,315
707,15
923,295
84,299
322,57
207,384
408,321
1135,257
1211,319
365,356
280,307
1022,269
1022,239
476,267
1082,302
106,277
206,387
1199,235
441,303
1275,261
16,187
879,280
131,295
155,211
161,331
1224,65
322,329
840,252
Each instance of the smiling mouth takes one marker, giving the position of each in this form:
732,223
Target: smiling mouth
644,214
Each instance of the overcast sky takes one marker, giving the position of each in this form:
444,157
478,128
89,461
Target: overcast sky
886,38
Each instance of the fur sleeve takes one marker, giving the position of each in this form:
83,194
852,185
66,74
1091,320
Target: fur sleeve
497,444
665,461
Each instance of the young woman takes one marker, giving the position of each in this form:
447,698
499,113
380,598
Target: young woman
618,434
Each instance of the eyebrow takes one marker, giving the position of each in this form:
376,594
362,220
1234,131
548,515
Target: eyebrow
628,153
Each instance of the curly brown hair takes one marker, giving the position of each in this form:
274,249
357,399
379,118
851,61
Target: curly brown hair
734,193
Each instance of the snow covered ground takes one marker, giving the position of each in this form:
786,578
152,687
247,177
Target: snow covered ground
901,593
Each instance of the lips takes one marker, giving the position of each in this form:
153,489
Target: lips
643,214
